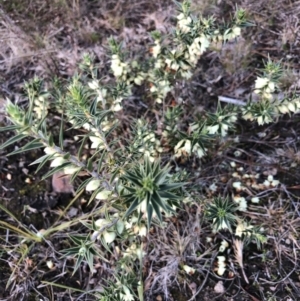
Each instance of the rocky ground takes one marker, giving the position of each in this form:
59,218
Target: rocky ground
48,38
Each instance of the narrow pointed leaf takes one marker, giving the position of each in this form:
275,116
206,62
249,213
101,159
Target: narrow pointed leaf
100,161
10,128
114,175
75,175
81,148
29,146
50,140
171,186
157,211
61,134
56,169
161,203
43,162
90,166
12,140
132,207
133,178
149,214
77,264
168,195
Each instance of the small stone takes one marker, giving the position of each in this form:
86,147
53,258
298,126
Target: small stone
61,183
25,171
159,298
219,287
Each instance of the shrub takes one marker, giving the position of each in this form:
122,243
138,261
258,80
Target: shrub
127,171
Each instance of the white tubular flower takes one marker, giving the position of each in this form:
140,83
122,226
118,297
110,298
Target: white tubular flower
93,85
260,120
189,270
50,151
57,162
117,70
237,185
101,222
292,107
204,43
212,129
236,31
140,230
184,22
261,82
138,80
224,129
70,170
242,228
242,203
221,265
271,87
153,89
101,94
156,49
109,237
117,66
248,116
283,109
222,226
97,142
224,245
255,200
199,151
92,185
117,107
274,183
103,195
128,296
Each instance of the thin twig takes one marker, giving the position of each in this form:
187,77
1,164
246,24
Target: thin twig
232,100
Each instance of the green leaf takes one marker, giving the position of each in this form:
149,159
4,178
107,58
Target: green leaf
168,195
61,134
12,140
10,128
156,198
77,264
29,146
132,207
42,124
83,184
50,140
133,178
67,156
75,175
90,259
90,166
114,175
157,211
149,214
160,177
81,147
46,158
56,169
100,161
171,186
93,107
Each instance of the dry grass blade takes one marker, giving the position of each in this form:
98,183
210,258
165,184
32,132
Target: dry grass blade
238,246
